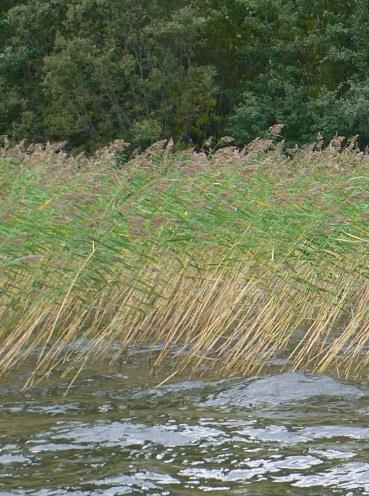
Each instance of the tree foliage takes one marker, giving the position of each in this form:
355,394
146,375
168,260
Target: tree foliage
90,71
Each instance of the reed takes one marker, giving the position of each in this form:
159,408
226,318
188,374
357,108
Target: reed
228,261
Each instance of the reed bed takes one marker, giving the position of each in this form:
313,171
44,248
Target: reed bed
227,262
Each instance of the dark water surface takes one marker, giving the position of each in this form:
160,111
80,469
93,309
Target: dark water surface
115,433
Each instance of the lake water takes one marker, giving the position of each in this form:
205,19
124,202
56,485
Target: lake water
115,433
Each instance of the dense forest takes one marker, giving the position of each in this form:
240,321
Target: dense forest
90,71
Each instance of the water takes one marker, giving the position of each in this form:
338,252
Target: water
115,433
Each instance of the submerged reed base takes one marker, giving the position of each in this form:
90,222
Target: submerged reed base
228,261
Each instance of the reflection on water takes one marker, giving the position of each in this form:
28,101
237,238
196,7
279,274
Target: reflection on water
116,434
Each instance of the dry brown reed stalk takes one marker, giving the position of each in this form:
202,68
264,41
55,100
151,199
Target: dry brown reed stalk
232,320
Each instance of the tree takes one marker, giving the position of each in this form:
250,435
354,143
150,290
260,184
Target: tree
90,71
